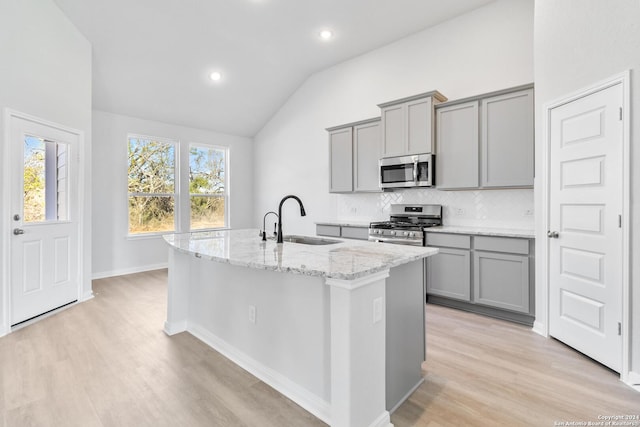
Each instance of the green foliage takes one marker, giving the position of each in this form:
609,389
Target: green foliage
207,187
34,187
151,186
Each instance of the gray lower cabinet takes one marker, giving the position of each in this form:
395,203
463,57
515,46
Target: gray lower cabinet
489,275
449,274
486,141
328,230
354,151
501,280
344,231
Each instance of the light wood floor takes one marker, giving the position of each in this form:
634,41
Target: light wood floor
106,362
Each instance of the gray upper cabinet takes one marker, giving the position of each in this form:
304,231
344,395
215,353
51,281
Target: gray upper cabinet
408,124
393,131
457,136
486,141
507,140
366,152
354,151
341,160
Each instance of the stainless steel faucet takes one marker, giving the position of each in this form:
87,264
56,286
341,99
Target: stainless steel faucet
302,213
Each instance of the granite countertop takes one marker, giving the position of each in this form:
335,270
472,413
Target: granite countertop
349,223
483,231
453,229
347,260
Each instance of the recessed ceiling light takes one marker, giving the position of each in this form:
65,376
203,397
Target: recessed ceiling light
215,76
326,34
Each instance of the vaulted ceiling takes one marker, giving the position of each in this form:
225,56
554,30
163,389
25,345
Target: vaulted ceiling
152,58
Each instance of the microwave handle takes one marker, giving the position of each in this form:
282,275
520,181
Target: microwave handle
415,169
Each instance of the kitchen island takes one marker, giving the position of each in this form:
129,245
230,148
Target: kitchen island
324,324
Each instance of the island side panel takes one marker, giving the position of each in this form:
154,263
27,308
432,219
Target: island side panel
358,352
275,325
405,331
178,292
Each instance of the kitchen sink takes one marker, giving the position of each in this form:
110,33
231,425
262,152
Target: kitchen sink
309,240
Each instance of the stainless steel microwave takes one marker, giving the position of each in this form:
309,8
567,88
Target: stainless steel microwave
407,171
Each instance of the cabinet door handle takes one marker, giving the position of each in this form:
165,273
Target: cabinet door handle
18,231
553,234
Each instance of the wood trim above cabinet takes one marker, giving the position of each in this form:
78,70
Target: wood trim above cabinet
433,94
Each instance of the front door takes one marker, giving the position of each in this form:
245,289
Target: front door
44,218
585,236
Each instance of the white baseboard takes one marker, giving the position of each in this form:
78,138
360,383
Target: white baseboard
87,296
309,401
124,271
172,328
4,330
539,328
633,380
384,420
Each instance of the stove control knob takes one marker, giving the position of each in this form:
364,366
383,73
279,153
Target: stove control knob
411,234
393,233
404,233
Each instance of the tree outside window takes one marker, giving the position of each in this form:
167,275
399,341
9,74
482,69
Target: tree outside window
207,187
151,185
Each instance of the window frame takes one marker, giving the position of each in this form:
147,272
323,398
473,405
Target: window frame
176,188
225,195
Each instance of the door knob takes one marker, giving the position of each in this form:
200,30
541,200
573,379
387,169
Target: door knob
553,234
18,231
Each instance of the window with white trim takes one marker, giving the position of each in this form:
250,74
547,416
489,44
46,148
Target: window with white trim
152,185
208,190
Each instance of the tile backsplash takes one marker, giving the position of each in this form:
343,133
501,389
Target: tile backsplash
511,208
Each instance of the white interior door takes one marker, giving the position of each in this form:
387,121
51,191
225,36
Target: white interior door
585,236
44,204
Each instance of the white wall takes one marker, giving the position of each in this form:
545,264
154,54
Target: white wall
113,252
488,49
578,43
45,71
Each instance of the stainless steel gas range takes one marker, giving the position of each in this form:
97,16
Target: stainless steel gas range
406,224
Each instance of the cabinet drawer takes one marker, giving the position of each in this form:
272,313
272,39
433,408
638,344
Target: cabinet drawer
328,230
361,233
502,244
449,240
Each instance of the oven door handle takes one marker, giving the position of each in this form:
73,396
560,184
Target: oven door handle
415,168
396,241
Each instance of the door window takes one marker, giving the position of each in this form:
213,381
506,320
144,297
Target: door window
45,183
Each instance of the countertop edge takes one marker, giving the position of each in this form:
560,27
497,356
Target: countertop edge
483,231
305,271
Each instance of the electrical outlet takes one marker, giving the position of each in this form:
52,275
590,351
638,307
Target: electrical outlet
252,314
528,212
354,210
459,212
377,310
